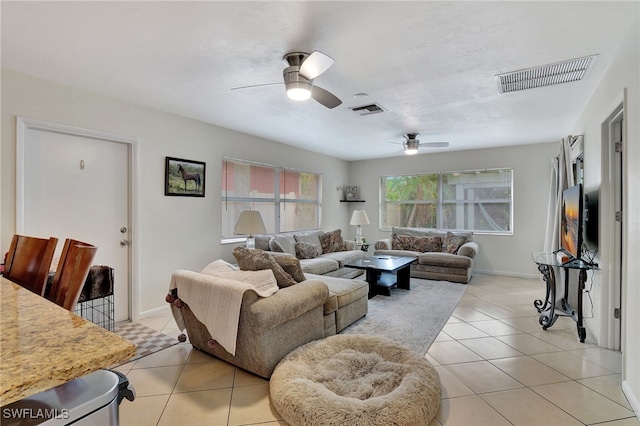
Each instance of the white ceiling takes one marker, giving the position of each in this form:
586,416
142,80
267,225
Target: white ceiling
430,64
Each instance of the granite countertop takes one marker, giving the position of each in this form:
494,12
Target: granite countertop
43,345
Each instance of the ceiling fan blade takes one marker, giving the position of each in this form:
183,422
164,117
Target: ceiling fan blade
315,64
254,85
324,97
435,144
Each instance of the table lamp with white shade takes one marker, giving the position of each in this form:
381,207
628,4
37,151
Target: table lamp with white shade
249,223
359,218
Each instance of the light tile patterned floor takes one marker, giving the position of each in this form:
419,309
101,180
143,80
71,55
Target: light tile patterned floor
496,364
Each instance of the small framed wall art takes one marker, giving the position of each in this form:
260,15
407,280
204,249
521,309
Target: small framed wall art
184,177
351,193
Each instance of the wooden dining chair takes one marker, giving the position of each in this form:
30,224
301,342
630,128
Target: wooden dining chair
75,261
29,260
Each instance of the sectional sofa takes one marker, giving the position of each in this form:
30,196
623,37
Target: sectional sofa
319,252
315,307
440,254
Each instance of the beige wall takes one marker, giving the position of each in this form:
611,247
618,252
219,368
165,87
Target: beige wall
622,78
499,254
168,239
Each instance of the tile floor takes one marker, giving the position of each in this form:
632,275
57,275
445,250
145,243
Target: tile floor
496,364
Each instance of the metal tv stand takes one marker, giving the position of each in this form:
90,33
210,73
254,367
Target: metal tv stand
552,307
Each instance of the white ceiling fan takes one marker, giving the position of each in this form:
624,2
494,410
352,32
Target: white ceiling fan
411,144
298,76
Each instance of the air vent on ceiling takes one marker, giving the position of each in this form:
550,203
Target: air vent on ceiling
373,108
545,75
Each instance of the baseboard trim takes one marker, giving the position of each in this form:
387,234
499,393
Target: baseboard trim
633,400
505,273
163,310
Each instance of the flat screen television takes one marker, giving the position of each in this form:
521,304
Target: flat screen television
571,222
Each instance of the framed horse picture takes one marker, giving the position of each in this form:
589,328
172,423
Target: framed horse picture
184,177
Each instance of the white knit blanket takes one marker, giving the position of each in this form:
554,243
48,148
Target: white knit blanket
216,299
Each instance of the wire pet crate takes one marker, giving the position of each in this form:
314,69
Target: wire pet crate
96,302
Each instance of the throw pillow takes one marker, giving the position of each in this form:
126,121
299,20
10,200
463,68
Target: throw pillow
307,250
332,242
401,242
291,265
274,245
283,243
452,242
312,237
264,282
426,244
256,260
262,242
217,266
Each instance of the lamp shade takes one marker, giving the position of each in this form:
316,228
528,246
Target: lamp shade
249,223
359,217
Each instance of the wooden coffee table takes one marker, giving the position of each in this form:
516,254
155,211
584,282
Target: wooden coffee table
384,272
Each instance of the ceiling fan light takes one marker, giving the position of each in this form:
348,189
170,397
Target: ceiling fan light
298,93
411,146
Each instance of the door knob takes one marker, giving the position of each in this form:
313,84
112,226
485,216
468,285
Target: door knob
124,243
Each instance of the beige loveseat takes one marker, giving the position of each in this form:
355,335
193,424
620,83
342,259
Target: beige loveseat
440,255
333,252
271,327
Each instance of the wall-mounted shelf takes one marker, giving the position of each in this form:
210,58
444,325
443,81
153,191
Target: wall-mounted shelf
352,201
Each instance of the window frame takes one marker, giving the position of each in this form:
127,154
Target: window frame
440,202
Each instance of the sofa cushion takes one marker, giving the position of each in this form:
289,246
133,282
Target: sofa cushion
283,243
312,237
399,253
426,244
332,242
401,242
255,260
291,264
344,257
346,291
444,260
262,242
306,250
319,265
452,242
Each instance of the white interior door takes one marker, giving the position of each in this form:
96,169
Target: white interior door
78,187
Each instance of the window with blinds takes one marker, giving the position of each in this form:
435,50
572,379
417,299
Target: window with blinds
287,199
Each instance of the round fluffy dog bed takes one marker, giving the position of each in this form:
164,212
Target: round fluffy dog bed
355,380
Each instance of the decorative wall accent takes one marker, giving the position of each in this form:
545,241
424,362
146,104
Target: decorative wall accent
184,177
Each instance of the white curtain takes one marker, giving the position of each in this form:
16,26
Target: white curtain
561,179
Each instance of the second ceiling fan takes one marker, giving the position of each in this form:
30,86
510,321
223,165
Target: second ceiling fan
298,77
411,144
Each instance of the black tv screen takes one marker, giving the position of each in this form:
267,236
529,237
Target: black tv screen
571,222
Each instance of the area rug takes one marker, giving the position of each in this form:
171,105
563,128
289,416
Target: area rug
411,317
147,340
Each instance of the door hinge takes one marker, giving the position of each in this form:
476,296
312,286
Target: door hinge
618,147
617,313
619,216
